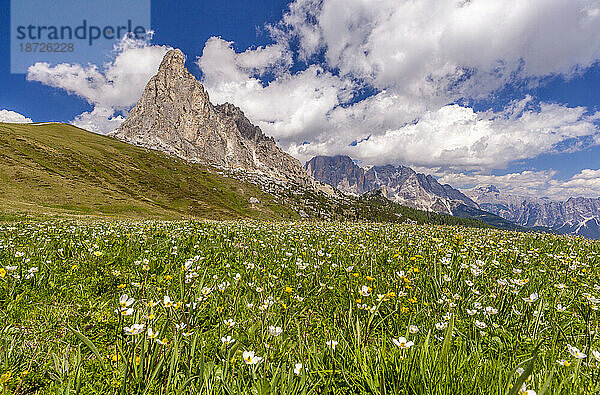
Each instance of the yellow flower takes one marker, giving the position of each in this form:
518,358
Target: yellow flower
168,277
97,253
5,377
369,278
121,285
74,267
355,274
289,290
2,272
115,357
137,360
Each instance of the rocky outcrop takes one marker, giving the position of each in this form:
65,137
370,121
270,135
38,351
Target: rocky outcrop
175,115
400,184
579,215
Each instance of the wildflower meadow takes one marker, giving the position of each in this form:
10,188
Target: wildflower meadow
248,307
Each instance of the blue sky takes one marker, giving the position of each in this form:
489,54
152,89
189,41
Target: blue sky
467,106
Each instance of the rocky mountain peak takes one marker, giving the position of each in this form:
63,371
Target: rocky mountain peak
175,115
487,189
174,59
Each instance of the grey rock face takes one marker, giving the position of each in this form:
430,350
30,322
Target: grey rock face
400,184
175,115
579,216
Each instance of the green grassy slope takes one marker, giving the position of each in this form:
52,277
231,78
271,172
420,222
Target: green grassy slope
58,168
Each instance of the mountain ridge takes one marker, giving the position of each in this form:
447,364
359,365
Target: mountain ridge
575,215
398,183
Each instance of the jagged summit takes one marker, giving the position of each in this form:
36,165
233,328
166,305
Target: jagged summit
487,189
175,115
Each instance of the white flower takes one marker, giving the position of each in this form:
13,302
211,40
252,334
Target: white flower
124,311
135,329
489,310
471,312
532,298
151,334
563,362
229,323
480,324
168,302
227,340
275,330
560,308
125,301
332,344
365,291
413,329
441,326
298,369
250,358
402,343
596,355
524,391
574,351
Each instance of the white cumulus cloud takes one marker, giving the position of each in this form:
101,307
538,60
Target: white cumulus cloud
13,117
111,89
532,183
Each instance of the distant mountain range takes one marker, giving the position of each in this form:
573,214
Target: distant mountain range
579,216
400,184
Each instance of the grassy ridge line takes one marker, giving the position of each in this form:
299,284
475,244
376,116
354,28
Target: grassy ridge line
60,169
